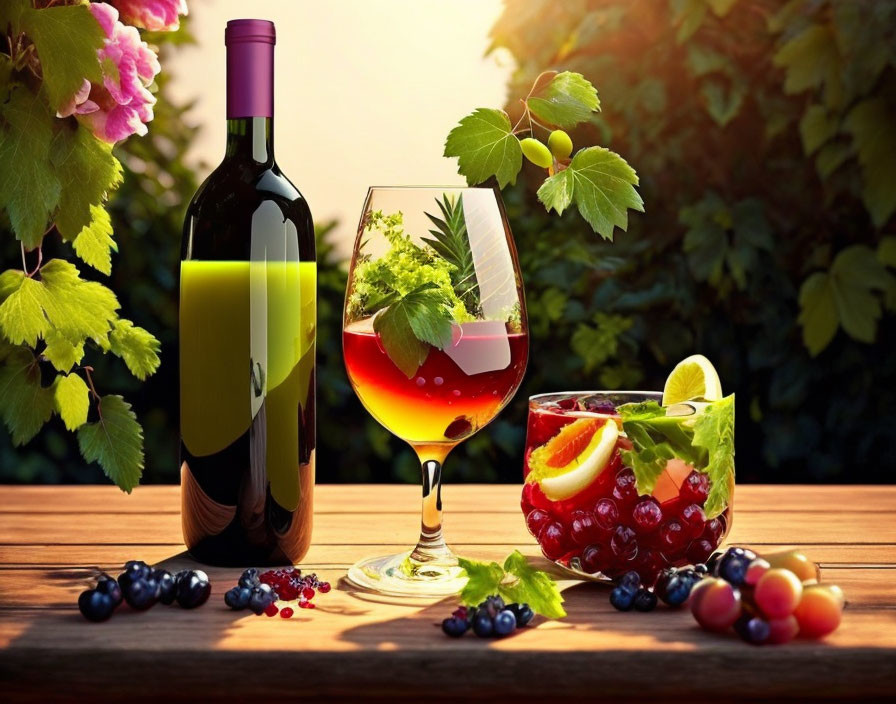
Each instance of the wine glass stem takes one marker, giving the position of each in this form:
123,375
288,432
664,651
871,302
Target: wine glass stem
431,545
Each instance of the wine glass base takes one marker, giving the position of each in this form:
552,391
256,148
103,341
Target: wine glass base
398,575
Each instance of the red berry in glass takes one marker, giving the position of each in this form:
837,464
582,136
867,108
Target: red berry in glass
582,500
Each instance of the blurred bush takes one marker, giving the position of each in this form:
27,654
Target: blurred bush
764,134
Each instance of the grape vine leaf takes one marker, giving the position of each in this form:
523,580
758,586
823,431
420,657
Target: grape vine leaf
94,244
845,295
714,431
72,400
26,404
137,347
564,101
115,441
485,146
61,352
515,581
723,99
67,39
22,317
78,309
29,186
601,184
871,125
817,126
411,324
88,171
812,60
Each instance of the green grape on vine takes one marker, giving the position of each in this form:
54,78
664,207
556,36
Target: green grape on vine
560,144
536,152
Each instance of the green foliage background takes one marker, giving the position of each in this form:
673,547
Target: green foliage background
764,135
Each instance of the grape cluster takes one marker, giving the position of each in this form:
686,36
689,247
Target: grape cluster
491,618
769,599
142,587
260,592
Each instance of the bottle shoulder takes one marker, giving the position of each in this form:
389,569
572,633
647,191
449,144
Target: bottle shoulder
219,218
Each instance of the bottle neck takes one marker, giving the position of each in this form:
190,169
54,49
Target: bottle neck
251,139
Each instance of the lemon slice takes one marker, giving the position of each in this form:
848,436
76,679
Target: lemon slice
579,474
692,378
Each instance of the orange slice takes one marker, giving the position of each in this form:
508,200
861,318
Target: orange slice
570,442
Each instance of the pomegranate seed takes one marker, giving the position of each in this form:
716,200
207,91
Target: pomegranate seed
623,543
271,610
606,513
308,593
553,540
592,559
583,527
625,489
695,487
286,612
647,515
323,587
672,535
536,520
304,604
693,518
713,531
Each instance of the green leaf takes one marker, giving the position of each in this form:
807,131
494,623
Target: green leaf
115,441
817,126
845,296
812,60
517,581
714,431
451,242
485,146
67,39
871,125
72,400
94,244
61,352
886,251
29,186
688,15
137,347
21,314
723,102
533,587
26,404
564,101
411,324
704,60
601,184
831,157
87,171
818,312
483,579
78,309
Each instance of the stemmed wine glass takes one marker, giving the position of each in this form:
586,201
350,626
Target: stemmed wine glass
435,342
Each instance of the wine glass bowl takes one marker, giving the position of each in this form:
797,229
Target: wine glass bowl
435,344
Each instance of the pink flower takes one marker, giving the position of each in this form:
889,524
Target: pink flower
122,105
157,15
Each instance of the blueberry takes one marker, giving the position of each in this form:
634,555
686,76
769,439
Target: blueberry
141,594
232,598
260,599
193,589
752,629
454,626
677,591
644,600
622,598
106,585
732,566
249,578
95,605
505,623
167,588
522,612
483,624
137,568
630,579
492,605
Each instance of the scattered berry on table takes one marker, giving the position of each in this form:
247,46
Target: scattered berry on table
622,598
167,587
504,623
95,605
733,565
645,600
778,593
108,586
454,626
752,629
715,603
192,588
249,578
492,617
271,610
482,624
286,612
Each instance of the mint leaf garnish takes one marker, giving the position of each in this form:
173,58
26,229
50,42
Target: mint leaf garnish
517,581
411,324
485,146
602,186
565,101
115,441
714,431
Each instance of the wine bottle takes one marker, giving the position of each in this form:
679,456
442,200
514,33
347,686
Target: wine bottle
247,335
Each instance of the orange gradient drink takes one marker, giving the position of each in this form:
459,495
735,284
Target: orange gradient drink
441,403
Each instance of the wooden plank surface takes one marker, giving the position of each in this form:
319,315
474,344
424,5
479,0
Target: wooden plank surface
54,540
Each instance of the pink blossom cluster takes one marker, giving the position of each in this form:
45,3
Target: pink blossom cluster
156,15
122,104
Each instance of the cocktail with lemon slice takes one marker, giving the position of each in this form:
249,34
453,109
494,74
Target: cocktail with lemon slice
631,480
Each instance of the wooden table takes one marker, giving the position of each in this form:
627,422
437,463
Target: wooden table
52,540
